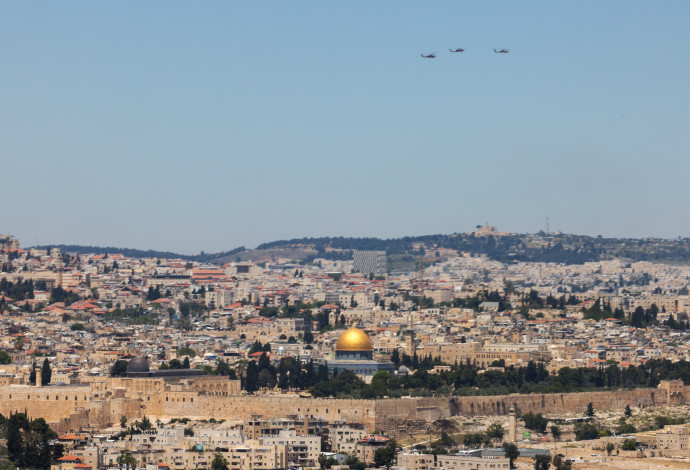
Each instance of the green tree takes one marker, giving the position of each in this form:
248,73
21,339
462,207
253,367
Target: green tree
560,464
144,425
127,460
395,357
628,411
588,431
251,380
32,374
77,327
495,431
542,462
123,421
219,462
556,432
326,462
626,428
5,358
629,444
119,368
383,457
590,410
15,438
186,351
308,337
511,452
185,363
354,463
609,448
175,364
445,440
46,373
535,422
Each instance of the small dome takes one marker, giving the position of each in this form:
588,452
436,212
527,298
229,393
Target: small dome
353,339
281,350
138,364
402,370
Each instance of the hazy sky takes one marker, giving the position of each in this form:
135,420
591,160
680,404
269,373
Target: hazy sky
193,126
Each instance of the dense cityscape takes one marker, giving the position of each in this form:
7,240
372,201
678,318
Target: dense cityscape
344,235
277,362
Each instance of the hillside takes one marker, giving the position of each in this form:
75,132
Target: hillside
540,247
403,252
135,253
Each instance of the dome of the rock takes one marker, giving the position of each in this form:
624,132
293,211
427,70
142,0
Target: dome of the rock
353,339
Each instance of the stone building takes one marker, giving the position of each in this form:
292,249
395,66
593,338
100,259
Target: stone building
451,462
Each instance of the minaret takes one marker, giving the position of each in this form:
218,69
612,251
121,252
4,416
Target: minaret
512,425
39,376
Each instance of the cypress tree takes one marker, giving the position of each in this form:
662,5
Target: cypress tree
15,444
46,373
251,383
32,375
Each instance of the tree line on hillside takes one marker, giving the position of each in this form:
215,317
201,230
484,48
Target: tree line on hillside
464,379
540,247
202,257
640,317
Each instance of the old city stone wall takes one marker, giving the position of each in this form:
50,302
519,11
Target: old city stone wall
74,407
51,403
401,413
269,406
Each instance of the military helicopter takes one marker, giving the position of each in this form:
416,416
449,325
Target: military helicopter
502,51
429,56
457,50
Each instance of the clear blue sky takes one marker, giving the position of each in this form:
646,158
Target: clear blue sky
195,126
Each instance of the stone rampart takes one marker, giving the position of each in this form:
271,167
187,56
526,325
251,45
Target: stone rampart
73,406
51,403
242,407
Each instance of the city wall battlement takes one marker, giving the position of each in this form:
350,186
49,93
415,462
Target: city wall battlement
70,407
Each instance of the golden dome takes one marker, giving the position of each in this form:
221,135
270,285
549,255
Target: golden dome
353,339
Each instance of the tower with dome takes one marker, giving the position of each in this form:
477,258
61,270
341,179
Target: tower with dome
353,351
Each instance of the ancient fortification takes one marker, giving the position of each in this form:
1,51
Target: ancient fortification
102,403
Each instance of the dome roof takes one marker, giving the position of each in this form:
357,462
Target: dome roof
353,339
138,364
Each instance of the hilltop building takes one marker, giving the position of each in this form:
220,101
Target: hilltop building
8,243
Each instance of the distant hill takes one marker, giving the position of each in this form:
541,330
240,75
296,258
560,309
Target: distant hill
134,253
540,247
404,252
